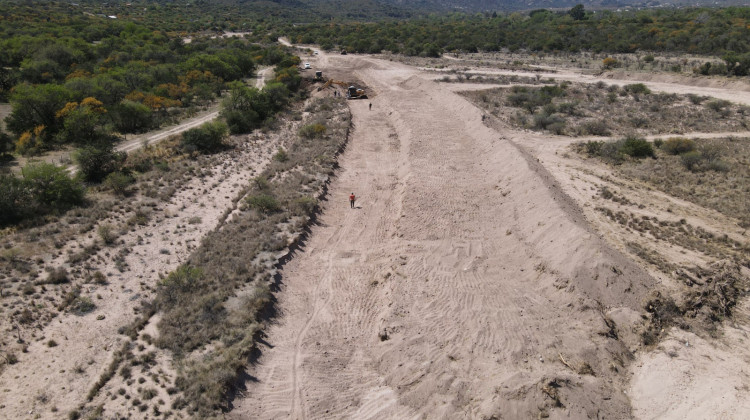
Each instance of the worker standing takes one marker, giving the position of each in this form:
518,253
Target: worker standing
351,200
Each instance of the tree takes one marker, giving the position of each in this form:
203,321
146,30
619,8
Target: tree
52,186
244,109
15,199
577,12
132,117
7,81
83,123
209,137
34,106
6,143
95,162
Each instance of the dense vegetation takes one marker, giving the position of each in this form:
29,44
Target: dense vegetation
79,79
704,31
82,80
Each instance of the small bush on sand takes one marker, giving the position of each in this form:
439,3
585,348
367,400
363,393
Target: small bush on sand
57,275
264,203
312,131
637,89
595,128
691,160
281,155
718,105
678,145
107,233
637,147
593,147
118,182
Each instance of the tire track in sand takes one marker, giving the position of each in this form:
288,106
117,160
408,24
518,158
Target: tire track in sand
472,264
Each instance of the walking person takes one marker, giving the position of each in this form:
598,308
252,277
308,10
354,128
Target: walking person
351,200
370,106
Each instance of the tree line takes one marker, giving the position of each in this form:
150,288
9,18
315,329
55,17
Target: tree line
696,30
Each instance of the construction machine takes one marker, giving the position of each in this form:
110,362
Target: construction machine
352,92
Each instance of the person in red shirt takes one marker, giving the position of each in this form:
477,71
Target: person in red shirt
351,200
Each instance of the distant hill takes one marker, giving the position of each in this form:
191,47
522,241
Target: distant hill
302,11
513,5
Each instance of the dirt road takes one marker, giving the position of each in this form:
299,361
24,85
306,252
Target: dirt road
457,286
136,142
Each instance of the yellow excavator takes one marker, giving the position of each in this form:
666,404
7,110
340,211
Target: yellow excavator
352,92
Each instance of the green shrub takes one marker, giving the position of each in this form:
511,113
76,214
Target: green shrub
658,143
209,137
57,275
567,108
107,233
118,182
183,280
710,153
16,200
678,145
718,105
82,305
636,147
610,151
281,155
304,206
696,99
240,122
96,162
637,88
312,131
132,117
691,160
718,166
593,147
6,143
51,187
596,128
264,203
553,122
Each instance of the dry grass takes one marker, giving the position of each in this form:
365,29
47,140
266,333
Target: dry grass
602,110
674,63
726,191
33,292
211,337
705,262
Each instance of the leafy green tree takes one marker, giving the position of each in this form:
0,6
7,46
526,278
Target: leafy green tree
83,123
8,79
209,137
132,117
277,94
52,186
6,143
577,12
636,147
95,162
737,64
289,76
37,105
244,109
15,199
